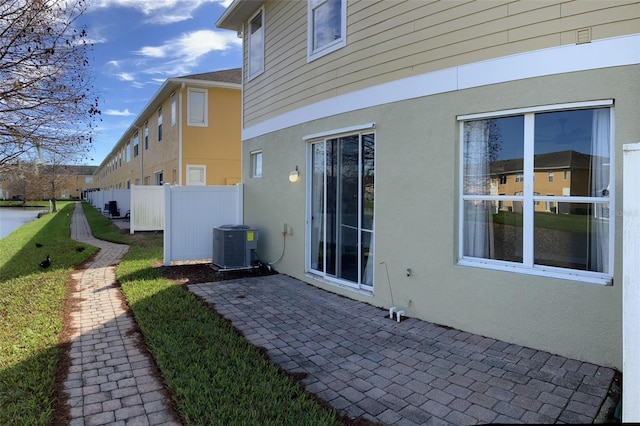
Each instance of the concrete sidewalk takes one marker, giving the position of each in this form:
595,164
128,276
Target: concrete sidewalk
110,380
407,373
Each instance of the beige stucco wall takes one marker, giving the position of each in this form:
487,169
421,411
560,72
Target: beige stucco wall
416,226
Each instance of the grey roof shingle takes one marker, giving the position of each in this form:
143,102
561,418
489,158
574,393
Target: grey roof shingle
233,75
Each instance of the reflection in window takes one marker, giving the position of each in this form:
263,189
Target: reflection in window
327,25
256,45
561,230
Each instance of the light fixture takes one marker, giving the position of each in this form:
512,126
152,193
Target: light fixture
294,175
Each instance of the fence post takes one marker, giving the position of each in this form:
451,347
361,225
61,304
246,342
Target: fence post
240,203
167,225
631,284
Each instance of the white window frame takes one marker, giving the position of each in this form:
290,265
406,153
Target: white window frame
255,173
313,54
158,174
527,267
197,167
259,67
127,152
205,109
173,109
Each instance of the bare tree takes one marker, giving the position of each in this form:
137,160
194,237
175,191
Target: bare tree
24,180
47,101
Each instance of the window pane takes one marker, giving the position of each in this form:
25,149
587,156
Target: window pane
196,107
492,234
368,180
367,258
256,45
327,23
493,151
577,237
575,143
317,207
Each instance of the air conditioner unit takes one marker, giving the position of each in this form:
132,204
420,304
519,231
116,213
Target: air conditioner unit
234,246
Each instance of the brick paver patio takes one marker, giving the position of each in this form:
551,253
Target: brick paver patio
412,372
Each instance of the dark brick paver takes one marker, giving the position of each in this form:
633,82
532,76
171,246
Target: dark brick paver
412,372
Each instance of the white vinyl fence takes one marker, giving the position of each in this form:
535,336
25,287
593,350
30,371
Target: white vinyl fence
147,208
191,213
122,197
631,285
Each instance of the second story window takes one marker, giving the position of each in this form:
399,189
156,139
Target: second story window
146,135
160,124
135,144
197,107
127,152
256,44
327,27
173,109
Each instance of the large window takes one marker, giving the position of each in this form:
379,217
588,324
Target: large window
341,233
256,44
327,26
534,223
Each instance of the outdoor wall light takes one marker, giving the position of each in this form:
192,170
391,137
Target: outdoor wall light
294,175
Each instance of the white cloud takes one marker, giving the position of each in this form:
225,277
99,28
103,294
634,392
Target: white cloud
159,11
125,76
191,46
115,112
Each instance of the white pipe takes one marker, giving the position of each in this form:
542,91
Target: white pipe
391,311
399,315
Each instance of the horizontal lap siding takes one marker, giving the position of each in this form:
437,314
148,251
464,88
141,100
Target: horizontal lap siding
388,40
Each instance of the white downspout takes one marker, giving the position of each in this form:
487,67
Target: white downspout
180,134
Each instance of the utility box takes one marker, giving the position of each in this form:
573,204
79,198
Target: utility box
234,246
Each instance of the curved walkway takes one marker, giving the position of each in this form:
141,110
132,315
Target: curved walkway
110,379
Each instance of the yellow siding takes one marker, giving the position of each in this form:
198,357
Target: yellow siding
216,146
387,40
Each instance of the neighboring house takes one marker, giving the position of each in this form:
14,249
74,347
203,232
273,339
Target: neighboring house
188,134
394,113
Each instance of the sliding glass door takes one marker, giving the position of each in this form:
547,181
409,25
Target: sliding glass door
341,209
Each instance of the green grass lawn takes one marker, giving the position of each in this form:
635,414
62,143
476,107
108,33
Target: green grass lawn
31,314
213,374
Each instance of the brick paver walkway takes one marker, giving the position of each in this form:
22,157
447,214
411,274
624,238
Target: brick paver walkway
110,380
406,373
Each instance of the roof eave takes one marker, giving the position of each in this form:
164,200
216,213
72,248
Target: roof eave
237,13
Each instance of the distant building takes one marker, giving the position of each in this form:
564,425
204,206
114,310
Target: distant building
188,134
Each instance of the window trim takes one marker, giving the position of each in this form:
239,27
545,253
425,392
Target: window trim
532,269
205,107
197,167
329,47
252,156
260,69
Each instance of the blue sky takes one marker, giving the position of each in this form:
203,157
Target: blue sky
138,44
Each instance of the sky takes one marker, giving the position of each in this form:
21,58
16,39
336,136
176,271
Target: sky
139,44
